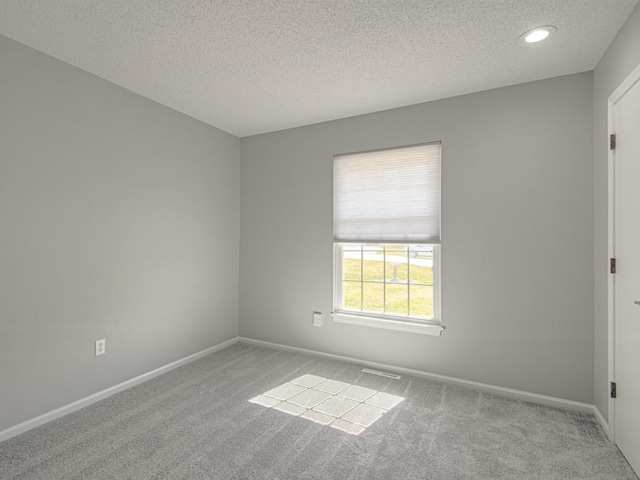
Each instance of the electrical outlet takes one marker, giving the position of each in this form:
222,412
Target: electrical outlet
317,319
101,347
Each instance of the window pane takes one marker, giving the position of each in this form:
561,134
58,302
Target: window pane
397,269
351,265
373,266
421,268
421,251
373,299
370,284
352,246
352,295
396,299
396,249
421,301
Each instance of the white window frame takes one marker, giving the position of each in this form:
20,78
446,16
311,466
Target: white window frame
387,321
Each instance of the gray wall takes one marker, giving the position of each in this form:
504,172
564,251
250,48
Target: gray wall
617,63
119,219
517,236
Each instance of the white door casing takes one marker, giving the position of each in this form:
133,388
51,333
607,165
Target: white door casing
624,246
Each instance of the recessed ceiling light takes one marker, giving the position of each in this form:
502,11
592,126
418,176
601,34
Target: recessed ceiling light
538,34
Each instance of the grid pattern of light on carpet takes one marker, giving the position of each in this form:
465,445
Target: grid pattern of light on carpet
347,407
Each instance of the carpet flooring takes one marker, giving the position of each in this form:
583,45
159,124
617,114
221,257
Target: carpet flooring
196,422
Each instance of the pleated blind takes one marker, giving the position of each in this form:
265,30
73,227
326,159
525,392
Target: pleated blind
390,195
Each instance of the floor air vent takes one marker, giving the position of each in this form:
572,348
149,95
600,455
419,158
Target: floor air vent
382,374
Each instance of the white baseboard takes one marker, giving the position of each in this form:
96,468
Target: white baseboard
507,392
603,423
86,401
484,387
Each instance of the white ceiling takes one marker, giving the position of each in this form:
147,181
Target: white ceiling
253,66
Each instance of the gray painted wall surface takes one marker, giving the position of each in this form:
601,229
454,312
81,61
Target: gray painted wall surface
617,63
517,236
119,220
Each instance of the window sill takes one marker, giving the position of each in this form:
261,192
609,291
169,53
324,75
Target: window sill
433,329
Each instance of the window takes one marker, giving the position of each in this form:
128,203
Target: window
387,238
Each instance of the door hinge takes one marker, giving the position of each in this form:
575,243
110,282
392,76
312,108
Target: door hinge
614,390
612,265
612,141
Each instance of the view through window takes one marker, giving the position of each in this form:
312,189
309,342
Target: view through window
392,279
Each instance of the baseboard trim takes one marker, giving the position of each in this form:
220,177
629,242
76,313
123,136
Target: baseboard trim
603,423
493,389
86,401
484,387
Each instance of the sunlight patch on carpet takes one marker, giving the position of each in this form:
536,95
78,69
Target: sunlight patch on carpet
343,406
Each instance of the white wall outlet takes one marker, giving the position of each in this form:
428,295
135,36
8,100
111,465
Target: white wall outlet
101,347
317,319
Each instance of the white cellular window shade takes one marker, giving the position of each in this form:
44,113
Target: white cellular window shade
390,195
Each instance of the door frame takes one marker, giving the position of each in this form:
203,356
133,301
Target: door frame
614,98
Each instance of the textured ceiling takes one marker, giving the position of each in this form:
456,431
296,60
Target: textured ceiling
251,66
